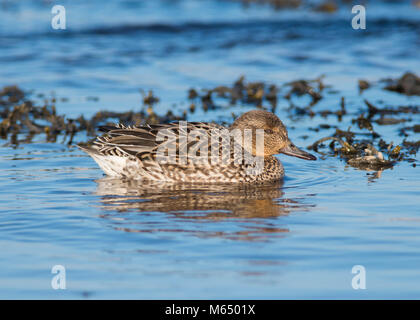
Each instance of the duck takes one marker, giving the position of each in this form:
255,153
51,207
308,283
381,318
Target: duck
197,152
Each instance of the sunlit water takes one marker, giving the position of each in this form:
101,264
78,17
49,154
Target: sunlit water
299,238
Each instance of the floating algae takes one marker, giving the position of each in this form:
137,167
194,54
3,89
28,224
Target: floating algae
247,93
415,129
372,110
408,84
256,94
372,159
301,87
364,149
358,155
358,152
363,85
361,153
327,6
20,115
276,4
10,95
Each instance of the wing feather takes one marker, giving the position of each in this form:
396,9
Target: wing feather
140,141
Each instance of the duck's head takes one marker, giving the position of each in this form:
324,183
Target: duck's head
276,139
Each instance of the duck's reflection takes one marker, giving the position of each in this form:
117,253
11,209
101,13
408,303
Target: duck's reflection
236,211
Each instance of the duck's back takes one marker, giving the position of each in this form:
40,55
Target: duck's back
177,152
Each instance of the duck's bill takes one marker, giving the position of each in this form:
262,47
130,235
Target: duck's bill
292,150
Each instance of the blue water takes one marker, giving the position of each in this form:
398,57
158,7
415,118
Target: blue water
299,238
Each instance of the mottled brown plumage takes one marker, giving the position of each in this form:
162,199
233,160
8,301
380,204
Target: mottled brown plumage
194,151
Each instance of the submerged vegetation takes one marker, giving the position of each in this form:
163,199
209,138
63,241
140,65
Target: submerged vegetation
363,147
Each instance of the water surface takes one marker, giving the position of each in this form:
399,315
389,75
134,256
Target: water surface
298,238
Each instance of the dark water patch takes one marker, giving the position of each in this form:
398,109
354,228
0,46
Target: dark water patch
18,58
301,29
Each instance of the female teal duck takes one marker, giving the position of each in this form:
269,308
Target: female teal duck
196,151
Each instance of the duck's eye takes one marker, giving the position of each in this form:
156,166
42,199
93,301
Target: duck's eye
268,131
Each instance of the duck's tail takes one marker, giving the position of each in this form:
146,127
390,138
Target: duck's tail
89,149
111,165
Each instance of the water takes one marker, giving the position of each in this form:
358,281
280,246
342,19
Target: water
299,238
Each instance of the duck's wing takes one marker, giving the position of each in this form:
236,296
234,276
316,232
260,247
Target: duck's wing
145,141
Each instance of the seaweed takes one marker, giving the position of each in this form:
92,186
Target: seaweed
327,6
302,87
363,85
10,95
20,115
408,84
246,93
365,149
360,152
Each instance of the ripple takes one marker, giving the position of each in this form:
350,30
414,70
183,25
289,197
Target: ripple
306,174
